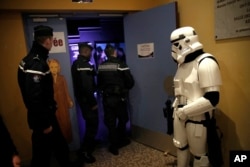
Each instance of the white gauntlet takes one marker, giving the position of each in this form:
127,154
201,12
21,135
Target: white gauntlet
197,107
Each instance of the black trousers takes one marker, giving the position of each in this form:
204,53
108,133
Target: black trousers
46,145
115,118
91,127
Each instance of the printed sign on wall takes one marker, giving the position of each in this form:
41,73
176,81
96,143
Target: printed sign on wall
232,18
145,50
58,43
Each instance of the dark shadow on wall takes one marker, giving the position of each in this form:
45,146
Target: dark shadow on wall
230,140
224,117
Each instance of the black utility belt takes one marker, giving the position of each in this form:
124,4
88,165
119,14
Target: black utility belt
203,122
180,105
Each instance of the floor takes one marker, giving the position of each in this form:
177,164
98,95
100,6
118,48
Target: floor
133,155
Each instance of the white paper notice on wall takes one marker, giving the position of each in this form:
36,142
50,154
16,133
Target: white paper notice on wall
145,50
58,43
232,18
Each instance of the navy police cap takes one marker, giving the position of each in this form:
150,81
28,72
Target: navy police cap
42,30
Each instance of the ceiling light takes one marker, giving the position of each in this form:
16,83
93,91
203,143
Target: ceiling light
83,1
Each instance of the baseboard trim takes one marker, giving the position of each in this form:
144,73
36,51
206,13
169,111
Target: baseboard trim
156,140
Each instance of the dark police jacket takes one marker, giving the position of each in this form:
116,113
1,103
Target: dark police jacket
36,85
83,74
7,147
114,77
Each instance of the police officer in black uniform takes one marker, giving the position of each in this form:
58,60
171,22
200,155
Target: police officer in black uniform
83,74
36,85
114,81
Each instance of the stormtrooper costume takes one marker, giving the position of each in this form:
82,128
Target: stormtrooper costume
196,86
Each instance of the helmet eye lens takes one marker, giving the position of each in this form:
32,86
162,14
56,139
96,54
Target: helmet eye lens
176,44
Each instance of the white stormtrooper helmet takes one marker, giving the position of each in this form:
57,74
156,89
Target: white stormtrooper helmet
184,41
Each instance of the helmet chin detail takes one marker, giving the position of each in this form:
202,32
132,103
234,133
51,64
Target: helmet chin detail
184,41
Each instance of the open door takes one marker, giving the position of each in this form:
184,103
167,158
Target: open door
148,49
150,27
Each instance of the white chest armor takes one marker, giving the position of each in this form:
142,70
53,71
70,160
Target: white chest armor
192,79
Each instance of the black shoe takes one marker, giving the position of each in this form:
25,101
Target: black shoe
113,150
124,143
88,158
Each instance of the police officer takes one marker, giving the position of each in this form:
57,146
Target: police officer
114,81
84,74
8,153
36,85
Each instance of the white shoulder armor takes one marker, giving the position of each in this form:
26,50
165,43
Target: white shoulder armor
208,71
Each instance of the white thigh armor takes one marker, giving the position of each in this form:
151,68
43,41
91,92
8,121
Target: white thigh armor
191,82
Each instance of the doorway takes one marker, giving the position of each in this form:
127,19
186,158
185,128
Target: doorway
148,97
97,32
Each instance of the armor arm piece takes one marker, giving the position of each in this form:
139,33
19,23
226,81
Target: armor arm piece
209,80
209,73
213,97
199,106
